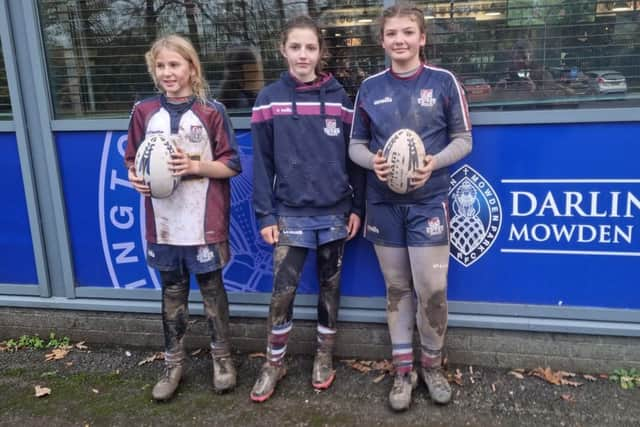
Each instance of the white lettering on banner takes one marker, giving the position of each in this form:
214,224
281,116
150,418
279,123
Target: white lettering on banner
123,211
581,233
137,284
572,219
126,248
572,203
118,181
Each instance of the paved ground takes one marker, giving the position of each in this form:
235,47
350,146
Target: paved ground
107,386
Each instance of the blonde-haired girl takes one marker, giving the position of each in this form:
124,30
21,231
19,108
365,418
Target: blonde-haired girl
187,232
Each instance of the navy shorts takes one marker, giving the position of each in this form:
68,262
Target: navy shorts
311,231
389,224
195,259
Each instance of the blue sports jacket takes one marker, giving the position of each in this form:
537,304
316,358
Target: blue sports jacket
301,165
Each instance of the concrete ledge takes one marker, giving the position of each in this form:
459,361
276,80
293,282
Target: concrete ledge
473,346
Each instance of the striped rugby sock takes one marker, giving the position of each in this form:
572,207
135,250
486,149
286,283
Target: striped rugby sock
402,358
277,343
430,358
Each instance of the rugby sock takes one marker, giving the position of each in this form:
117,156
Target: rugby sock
402,358
326,339
220,349
277,343
430,358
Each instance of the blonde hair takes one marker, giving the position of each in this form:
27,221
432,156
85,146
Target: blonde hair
184,48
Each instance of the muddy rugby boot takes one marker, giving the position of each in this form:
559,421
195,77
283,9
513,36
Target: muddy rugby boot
267,381
436,381
164,389
400,394
224,374
323,373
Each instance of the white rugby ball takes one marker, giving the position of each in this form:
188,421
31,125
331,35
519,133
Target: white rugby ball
152,164
404,151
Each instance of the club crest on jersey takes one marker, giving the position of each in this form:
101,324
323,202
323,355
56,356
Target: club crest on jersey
476,215
434,226
426,98
196,133
331,127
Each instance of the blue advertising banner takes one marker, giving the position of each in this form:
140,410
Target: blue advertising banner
17,263
540,214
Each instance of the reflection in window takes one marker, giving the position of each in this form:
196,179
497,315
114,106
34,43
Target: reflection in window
95,48
5,102
522,54
508,54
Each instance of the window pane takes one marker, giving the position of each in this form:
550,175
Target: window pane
5,103
95,48
524,54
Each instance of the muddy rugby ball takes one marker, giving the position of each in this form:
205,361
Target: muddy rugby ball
404,151
152,164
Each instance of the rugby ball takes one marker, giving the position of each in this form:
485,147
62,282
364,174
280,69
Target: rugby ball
152,164
404,152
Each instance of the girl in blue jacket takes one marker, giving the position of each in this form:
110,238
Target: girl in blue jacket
307,193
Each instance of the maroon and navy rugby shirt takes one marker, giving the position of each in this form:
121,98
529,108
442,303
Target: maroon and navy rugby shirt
198,210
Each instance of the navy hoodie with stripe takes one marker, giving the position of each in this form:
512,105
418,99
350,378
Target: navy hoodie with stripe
301,165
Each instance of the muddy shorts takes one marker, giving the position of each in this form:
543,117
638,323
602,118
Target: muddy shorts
195,259
390,224
311,231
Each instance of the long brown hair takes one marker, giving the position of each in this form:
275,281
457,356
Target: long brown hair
305,21
184,48
405,10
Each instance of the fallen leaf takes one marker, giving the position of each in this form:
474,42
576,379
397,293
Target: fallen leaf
152,358
56,354
555,377
571,383
493,387
516,374
568,397
383,365
80,346
95,390
590,377
360,367
377,379
42,391
457,378
256,355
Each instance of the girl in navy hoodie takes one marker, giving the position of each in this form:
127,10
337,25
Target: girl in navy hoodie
307,193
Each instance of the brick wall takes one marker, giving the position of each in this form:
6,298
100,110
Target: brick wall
468,346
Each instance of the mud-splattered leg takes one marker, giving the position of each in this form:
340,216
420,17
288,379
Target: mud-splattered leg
175,314
216,307
287,269
430,266
401,306
329,265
